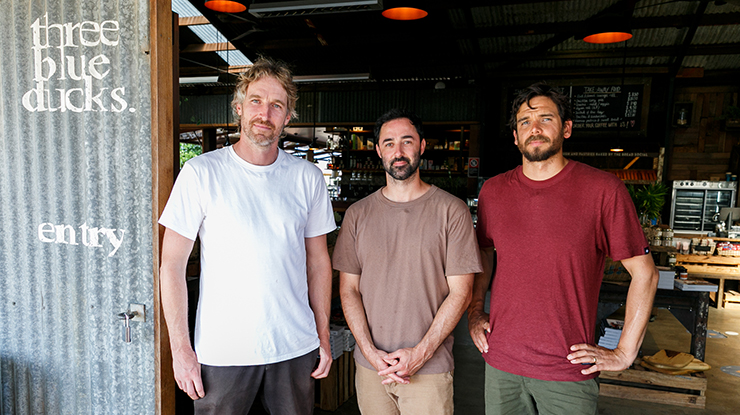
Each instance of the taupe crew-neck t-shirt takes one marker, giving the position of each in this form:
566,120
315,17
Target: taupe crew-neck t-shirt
403,253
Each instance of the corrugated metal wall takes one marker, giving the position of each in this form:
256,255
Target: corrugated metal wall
75,207
366,106
206,109
452,104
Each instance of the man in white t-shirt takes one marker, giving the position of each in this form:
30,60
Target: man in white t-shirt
265,286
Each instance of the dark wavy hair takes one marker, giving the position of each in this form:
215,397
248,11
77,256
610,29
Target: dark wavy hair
541,89
395,114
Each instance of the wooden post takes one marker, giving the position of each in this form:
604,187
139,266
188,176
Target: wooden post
164,166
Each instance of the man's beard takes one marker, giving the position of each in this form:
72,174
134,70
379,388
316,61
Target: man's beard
403,172
540,154
262,138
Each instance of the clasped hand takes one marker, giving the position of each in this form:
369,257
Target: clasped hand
398,366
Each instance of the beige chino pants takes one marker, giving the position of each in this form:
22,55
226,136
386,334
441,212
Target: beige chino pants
424,395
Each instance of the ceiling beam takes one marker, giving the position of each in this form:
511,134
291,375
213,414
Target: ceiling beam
193,21
208,47
205,70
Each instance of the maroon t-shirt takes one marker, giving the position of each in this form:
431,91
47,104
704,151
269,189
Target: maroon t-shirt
551,238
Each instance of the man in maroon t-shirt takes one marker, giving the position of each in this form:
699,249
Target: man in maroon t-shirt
551,222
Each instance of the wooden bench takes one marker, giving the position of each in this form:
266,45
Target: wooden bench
714,267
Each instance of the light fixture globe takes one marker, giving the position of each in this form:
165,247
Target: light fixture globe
404,13
225,6
608,37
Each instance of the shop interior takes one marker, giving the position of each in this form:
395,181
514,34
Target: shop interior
658,107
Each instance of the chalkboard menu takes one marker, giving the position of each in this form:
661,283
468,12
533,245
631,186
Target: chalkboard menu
606,107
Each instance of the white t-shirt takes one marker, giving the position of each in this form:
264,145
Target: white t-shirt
252,222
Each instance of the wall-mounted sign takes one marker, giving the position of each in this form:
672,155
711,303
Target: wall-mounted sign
606,107
473,166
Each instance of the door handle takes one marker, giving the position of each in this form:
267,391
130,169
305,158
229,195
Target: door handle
136,312
126,317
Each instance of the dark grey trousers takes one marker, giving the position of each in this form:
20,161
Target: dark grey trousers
288,388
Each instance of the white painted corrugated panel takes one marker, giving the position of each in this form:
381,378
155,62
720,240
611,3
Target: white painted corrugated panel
75,207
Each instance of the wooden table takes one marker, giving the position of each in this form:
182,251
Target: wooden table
691,308
717,267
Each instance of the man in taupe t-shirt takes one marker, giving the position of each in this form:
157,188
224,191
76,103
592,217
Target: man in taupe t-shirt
406,256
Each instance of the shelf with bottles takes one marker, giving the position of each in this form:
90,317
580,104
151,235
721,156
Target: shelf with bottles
358,171
370,162
356,161
356,185
350,139
439,136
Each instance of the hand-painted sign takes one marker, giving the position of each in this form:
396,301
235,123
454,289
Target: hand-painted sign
57,54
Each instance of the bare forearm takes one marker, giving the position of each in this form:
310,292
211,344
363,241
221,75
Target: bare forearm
637,314
447,316
175,307
175,252
319,297
318,272
639,304
354,313
481,282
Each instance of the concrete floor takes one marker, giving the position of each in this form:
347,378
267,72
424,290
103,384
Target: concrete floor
665,332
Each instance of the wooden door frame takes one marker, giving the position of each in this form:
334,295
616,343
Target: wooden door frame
165,162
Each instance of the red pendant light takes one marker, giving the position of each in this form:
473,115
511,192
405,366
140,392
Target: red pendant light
404,13
225,6
608,37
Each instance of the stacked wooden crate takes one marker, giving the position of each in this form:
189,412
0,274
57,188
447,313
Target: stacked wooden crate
732,299
638,383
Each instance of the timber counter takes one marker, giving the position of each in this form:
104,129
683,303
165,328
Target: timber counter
713,267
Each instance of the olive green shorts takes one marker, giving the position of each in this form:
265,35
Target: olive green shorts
517,395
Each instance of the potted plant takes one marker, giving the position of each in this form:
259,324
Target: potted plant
649,201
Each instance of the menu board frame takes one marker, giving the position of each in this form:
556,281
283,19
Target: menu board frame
641,115
606,107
